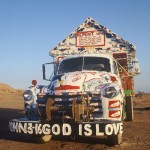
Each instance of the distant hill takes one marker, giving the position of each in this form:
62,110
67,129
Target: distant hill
9,93
7,88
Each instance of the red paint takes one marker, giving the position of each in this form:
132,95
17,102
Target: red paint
115,114
67,87
114,104
60,58
90,33
76,78
113,79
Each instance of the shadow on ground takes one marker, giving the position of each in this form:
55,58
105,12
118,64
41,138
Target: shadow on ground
6,115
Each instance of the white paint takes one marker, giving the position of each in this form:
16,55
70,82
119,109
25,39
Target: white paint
88,131
80,129
21,128
66,129
29,128
98,133
116,128
121,128
36,127
46,129
109,129
56,129
39,129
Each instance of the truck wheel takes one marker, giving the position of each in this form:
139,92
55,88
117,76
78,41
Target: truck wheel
42,138
129,108
115,139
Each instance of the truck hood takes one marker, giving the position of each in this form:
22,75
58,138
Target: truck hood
84,81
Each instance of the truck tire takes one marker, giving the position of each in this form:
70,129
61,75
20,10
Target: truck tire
115,139
42,138
129,108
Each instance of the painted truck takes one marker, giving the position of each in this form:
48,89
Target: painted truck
90,90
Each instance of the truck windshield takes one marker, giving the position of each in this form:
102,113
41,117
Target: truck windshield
84,63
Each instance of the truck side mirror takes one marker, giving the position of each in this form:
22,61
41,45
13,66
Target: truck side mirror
43,69
47,71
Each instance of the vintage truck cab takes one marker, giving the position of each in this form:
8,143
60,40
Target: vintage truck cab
89,92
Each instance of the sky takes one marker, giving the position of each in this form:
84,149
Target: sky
29,29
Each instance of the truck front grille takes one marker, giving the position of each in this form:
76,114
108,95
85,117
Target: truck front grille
97,103
65,105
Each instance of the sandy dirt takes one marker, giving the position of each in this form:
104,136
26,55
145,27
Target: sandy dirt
136,134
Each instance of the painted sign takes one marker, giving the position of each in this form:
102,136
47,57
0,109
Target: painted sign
90,38
93,38
66,129
115,114
114,104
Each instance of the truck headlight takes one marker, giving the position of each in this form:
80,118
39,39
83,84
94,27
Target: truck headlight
110,92
28,95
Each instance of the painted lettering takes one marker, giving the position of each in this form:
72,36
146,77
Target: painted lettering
121,128
11,126
56,129
22,128
90,38
109,129
98,133
39,129
116,128
36,128
80,129
88,131
15,126
66,129
46,129
30,129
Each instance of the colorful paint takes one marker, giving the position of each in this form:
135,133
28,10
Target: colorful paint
92,38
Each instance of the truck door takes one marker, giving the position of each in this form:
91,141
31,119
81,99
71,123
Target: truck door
127,81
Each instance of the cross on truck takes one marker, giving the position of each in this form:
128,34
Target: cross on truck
90,90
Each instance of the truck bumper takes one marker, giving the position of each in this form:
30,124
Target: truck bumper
66,128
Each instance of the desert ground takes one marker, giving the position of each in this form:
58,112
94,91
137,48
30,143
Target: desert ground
136,134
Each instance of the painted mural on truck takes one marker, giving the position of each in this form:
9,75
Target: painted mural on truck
93,38
90,90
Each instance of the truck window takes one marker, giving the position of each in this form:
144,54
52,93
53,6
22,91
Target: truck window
96,63
71,65
84,63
